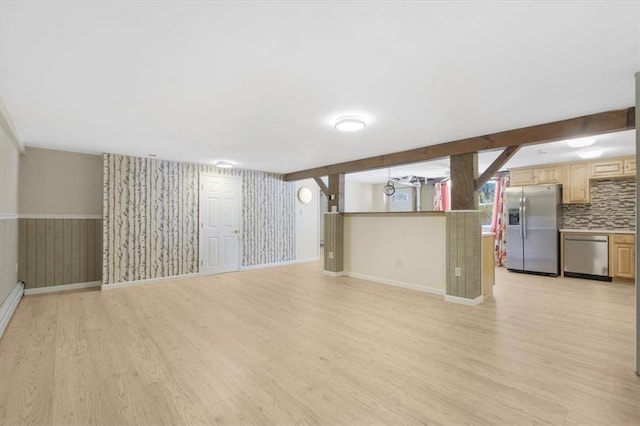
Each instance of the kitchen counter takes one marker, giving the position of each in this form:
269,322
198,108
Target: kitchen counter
599,231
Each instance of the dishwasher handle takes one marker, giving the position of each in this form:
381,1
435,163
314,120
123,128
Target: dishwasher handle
588,238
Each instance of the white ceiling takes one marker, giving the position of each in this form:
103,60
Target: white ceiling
259,83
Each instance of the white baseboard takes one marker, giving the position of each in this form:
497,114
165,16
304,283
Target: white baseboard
147,281
271,265
463,300
9,306
334,274
411,286
63,287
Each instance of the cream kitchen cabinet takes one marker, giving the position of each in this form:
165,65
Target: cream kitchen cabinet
620,167
630,166
576,186
608,168
552,174
520,177
535,175
622,255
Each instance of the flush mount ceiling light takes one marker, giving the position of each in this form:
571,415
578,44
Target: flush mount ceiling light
224,164
590,154
350,123
581,142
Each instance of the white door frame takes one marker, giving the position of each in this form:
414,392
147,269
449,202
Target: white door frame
200,222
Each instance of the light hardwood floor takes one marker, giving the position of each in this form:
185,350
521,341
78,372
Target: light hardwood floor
289,346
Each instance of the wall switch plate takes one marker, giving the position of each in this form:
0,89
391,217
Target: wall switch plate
458,271
330,255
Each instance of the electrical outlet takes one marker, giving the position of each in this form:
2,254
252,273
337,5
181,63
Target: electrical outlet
398,261
330,255
458,271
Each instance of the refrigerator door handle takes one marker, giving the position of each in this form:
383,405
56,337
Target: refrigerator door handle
520,213
524,216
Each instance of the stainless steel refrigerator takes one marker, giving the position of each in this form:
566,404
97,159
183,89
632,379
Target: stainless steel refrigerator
533,218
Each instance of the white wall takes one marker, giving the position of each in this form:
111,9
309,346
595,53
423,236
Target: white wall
375,244
10,148
357,197
379,201
427,195
307,223
60,182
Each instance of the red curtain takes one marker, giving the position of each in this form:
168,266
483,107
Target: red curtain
498,221
442,199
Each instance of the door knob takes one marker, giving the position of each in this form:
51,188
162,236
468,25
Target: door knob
237,231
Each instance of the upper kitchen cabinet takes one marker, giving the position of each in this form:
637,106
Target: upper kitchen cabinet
574,177
630,166
576,186
535,175
620,167
520,177
552,174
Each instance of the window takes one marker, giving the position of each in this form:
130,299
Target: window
486,195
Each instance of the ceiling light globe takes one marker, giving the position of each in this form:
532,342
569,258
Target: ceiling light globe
351,123
590,154
224,164
581,142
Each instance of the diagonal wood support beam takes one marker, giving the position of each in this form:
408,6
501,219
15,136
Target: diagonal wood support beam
495,166
323,186
587,125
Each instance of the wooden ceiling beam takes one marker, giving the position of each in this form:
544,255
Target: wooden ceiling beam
323,186
588,125
495,166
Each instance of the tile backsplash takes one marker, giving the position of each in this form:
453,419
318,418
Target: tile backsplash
613,206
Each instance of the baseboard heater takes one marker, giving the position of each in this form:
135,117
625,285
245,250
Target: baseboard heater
9,305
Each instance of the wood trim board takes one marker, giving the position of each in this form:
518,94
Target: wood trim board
587,125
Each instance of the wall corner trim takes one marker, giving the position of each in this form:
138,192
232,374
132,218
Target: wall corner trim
7,124
333,274
9,306
148,281
401,284
63,287
464,301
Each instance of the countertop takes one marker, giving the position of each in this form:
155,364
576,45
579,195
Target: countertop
599,231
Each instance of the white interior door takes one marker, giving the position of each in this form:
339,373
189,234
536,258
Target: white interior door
220,215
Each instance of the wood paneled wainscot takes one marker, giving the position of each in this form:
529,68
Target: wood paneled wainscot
54,252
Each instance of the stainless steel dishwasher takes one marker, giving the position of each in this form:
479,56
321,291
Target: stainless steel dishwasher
586,256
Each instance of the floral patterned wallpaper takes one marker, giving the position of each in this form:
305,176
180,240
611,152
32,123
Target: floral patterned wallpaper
151,216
